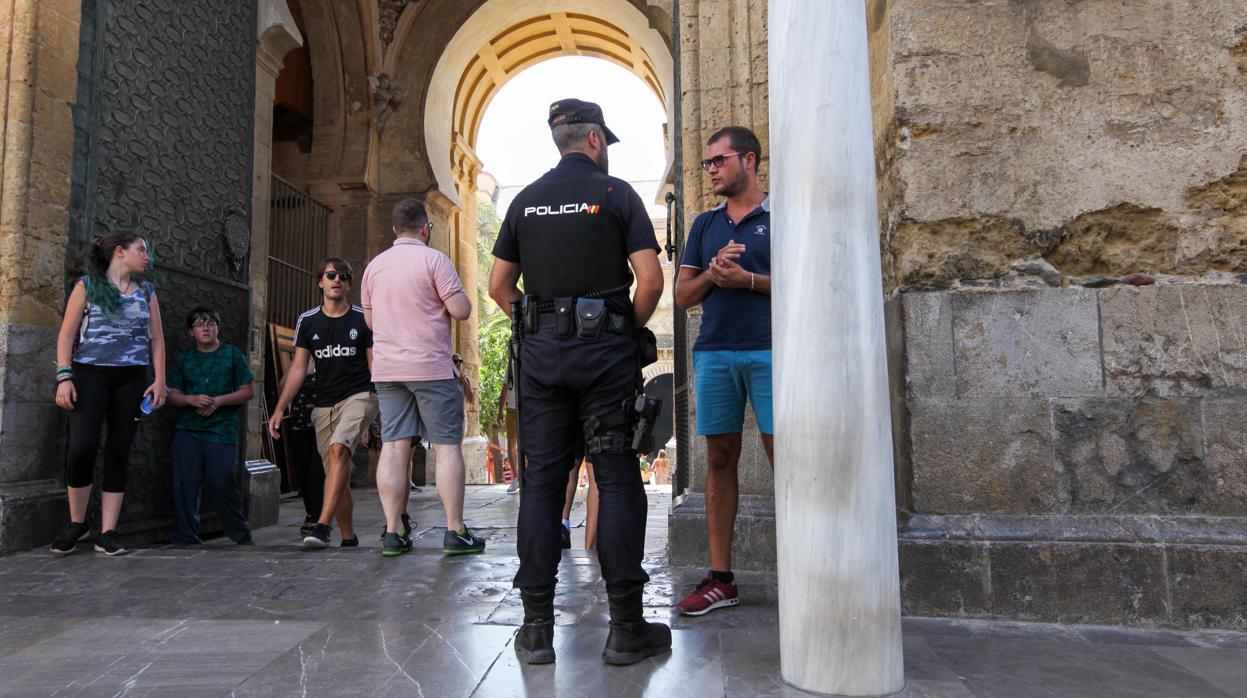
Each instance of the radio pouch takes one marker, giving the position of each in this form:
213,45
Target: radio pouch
590,317
563,317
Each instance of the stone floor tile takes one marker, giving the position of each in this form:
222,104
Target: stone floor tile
918,688
1132,636
397,658
1225,669
923,664
693,668
16,634
1044,668
110,656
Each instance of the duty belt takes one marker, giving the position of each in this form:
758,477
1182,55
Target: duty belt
615,323
543,306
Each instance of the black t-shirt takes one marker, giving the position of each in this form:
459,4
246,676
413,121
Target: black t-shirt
339,347
623,208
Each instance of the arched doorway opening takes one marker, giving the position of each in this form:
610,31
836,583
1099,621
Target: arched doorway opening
515,147
498,41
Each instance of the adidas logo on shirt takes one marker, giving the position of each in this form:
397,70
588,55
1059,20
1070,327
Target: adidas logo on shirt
315,337
338,350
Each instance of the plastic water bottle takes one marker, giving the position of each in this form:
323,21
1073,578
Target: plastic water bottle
145,407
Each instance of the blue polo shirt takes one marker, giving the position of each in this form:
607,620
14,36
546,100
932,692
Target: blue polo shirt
733,318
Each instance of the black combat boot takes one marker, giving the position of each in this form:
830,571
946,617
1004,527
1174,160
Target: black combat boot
534,644
632,638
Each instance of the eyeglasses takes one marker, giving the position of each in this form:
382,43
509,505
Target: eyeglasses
719,160
208,325
335,275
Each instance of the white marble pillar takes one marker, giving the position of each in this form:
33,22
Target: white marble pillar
839,595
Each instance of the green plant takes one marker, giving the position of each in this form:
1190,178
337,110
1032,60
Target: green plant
494,332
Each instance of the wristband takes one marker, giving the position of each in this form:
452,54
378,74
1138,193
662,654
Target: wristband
62,379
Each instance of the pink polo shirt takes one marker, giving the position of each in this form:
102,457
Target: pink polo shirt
405,289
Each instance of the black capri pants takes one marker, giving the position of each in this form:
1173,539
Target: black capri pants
106,394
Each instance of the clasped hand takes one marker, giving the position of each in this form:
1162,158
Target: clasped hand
204,405
724,271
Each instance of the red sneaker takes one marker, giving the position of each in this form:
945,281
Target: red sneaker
709,595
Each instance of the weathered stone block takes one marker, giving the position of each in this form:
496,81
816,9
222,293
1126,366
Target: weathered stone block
475,450
30,436
1132,456
945,578
1037,342
984,456
1206,585
31,514
1078,583
1175,340
928,338
26,371
753,539
1225,452
261,486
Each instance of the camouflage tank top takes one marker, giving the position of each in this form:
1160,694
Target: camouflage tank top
120,338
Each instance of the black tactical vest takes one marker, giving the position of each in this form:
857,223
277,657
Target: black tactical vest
570,242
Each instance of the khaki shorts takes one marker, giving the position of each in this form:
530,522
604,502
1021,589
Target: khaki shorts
343,423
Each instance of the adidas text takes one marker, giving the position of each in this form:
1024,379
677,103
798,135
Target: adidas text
338,350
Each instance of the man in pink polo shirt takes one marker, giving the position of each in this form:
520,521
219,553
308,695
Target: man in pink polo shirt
410,293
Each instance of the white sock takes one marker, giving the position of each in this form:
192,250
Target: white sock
567,524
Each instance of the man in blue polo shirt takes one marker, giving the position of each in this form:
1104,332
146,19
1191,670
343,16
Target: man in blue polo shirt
727,267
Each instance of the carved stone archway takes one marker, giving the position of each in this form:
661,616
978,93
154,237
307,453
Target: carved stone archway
497,42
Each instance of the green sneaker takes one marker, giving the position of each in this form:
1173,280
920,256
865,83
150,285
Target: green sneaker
394,544
464,542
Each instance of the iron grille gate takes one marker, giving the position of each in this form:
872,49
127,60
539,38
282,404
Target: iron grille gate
298,240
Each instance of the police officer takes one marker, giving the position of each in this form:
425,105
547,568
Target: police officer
572,235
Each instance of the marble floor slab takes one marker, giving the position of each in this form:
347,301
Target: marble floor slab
275,620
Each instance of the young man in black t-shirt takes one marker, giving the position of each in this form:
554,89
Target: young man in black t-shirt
336,337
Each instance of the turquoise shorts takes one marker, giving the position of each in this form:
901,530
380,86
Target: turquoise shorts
724,380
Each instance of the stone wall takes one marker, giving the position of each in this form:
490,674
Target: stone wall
1107,137
38,83
1062,190
1089,433
723,70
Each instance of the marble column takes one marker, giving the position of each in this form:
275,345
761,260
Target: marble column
839,596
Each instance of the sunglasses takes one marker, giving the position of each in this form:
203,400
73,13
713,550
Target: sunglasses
335,275
719,160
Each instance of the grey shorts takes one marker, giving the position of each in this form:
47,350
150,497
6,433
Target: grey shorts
429,409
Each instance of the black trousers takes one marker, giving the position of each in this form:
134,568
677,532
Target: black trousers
310,469
106,395
562,383
213,468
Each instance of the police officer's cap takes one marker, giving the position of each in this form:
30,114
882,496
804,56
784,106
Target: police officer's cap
574,111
